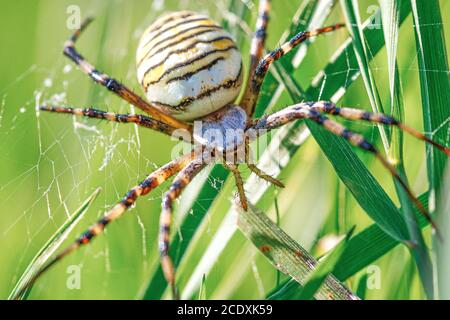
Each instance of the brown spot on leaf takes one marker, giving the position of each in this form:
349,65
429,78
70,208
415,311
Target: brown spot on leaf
265,248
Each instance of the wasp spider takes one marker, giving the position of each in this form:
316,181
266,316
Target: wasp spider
190,69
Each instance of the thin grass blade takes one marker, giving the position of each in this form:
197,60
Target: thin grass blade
50,248
362,250
390,13
435,94
353,21
323,269
287,255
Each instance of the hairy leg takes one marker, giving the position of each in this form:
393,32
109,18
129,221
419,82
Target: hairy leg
260,173
357,114
151,182
239,183
304,110
179,184
138,119
113,85
252,91
259,39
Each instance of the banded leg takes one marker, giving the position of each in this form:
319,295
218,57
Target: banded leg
259,37
239,183
303,111
115,86
252,92
180,182
260,173
150,183
357,114
138,119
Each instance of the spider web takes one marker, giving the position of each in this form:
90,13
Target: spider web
52,163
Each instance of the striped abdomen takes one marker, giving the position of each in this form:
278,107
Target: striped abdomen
188,65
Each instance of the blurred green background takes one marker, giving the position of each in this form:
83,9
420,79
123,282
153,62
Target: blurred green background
49,164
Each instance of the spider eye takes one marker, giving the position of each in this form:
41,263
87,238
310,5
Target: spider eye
188,65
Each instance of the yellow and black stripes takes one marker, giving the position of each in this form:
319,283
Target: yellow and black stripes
251,95
115,86
178,24
138,119
189,68
163,21
189,74
165,44
189,63
207,92
180,182
186,49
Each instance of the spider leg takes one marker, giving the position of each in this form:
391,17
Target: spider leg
239,183
251,94
115,86
303,111
260,173
357,114
138,119
147,185
259,37
183,178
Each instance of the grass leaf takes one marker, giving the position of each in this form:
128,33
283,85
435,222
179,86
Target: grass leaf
49,249
288,256
351,11
435,95
443,247
363,249
390,13
323,269
434,85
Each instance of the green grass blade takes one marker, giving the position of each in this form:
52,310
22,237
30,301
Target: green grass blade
286,254
323,269
443,247
362,250
366,190
340,154
434,85
353,21
361,183
435,96
49,248
390,13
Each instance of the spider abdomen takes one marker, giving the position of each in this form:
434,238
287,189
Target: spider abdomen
188,65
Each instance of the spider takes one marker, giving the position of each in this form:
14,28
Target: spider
192,73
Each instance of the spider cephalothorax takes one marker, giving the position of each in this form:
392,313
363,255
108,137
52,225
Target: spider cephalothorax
191,72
